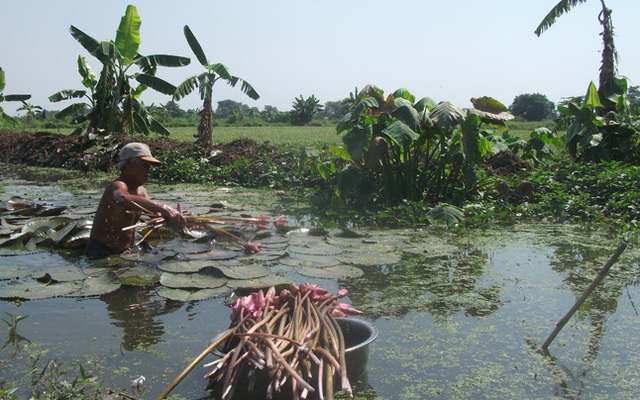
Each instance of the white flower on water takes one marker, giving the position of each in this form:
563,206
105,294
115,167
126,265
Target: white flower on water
138,382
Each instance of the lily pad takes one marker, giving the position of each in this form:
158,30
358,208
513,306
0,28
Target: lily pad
15,271
61,273
370,259
34,290
106,283
243,271
316,248
265,281
192,295
183,267
337,272
139,275
205,280
303,260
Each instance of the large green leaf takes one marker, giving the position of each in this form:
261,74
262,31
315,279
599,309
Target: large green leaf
161,60
364,104
592,99
488,104
195,46
156,83
186,87
406,113
66,95
357,141
247,89
90,44
403,93
446,115
221,70
16,97
128,35
401,134
562,7
89,79
447,213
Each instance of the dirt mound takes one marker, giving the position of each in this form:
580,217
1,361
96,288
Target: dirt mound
84,152
506,164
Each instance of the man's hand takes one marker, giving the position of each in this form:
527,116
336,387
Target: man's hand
173,218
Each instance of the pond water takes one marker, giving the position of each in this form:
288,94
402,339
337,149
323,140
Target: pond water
460,315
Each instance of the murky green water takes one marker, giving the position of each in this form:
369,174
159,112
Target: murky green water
460,316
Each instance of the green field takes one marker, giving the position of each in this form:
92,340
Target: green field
276,135
306,135
299,136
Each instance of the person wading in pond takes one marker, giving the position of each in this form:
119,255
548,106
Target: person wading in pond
121,201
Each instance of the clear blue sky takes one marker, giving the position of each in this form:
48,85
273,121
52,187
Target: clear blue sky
447,50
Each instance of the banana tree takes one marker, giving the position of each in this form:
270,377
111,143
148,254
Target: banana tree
114,104
9,97
608,70
303,110
205,82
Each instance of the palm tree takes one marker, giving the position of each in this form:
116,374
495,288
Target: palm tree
205,82
609,55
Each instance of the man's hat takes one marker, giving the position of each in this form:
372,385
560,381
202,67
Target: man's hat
141,150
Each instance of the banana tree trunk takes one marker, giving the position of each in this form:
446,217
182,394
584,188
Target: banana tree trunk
204,138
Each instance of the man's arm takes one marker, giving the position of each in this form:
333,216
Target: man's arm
134,202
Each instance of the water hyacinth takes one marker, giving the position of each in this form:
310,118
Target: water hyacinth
291,338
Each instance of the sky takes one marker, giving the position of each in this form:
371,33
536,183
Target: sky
447,50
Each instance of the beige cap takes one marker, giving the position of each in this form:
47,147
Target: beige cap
141,150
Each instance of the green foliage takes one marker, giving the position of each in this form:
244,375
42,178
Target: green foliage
592,193
54,382
595,135
304,109
113,104
14,338
9,97
399,149
532,107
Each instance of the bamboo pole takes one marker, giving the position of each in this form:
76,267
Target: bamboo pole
195,362
603,272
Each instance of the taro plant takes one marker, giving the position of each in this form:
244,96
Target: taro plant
114,104
399,149
204,82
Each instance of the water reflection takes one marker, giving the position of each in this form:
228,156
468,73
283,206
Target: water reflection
138,311
442,286
578,265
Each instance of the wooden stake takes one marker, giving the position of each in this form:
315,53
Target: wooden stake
584,296
195,362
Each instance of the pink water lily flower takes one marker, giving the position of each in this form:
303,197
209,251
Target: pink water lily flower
344,310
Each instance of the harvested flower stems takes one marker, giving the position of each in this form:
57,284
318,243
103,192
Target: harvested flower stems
208,222
291,339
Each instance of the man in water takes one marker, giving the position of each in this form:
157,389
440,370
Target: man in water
122,202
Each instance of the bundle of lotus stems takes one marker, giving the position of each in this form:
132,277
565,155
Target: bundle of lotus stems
285,341
208,222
